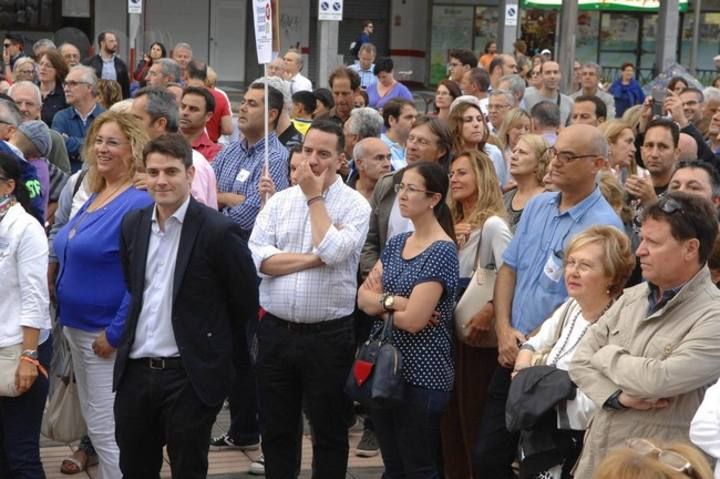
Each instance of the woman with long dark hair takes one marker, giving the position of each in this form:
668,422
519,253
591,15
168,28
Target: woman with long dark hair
157,51
25,325
415,280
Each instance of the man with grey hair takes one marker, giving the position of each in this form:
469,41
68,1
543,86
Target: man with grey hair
363,123
162,72
516,85
157,110
276,68
590,76
73,122
293,67
71,54
182,53
41,46
499,103
371,158
28,98
365,64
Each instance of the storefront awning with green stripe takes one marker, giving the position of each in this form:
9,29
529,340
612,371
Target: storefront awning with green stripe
609,5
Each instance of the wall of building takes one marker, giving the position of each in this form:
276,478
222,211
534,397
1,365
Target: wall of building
173,21
111,15
409,39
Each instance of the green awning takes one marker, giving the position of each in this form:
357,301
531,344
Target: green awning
610,5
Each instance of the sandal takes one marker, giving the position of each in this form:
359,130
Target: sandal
78,462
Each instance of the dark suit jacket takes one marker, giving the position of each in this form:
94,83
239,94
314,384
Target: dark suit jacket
214,292
123,76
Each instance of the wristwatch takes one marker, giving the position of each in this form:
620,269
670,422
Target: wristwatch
30,353
387,302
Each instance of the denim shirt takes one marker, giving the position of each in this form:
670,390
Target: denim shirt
73,127
536,253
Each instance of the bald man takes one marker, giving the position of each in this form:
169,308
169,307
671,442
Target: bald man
372,160
529,285
293,67
688,148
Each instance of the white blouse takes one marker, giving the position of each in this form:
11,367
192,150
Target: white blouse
24,297
574,414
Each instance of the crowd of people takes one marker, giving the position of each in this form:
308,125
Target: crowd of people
177,261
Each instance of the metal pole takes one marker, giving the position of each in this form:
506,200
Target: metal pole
697,7
565,54
666,40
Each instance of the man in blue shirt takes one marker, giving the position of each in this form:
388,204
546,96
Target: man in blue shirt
365,64
239,168
73,122
529,285
398,116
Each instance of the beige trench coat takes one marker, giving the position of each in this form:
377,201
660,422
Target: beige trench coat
673,353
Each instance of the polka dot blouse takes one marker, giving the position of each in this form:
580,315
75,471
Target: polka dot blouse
428,354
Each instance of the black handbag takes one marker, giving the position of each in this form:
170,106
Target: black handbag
376,377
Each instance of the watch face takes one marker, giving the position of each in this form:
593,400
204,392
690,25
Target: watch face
389,301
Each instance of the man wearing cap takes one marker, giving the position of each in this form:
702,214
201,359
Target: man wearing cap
32,138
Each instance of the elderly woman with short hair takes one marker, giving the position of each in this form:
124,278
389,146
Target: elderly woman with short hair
598,262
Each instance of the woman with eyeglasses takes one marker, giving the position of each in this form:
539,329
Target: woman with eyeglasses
598,261
52,73
481,234
90,288
415,281
25,325
25,69
470,131
648,459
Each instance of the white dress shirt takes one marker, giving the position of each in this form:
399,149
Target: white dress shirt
24,298
300,83
154,335
283,226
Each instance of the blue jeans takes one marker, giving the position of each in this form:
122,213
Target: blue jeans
409,434
20,419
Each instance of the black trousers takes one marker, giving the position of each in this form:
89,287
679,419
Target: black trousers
310,363
154,408
496,447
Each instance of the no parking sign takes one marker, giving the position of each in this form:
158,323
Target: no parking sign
330,10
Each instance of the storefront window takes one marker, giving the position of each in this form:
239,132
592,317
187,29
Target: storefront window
26,14
452,27
707,44
486,27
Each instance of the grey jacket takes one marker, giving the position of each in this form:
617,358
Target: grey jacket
673,354
381,205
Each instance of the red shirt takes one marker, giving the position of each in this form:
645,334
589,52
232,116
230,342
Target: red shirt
204,145
222,108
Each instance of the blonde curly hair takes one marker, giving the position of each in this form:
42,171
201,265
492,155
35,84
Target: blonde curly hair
135,133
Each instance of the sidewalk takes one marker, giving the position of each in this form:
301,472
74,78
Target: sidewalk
223,464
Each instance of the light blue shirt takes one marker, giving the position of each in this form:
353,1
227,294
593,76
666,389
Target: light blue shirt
397,153
108,69
536,253
367,77
498,161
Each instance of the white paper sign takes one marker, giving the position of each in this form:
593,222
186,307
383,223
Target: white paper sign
134,6
262,13
330,10
511,14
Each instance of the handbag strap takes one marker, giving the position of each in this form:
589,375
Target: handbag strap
477,252
388,327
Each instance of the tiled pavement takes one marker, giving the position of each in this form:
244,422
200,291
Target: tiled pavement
223,464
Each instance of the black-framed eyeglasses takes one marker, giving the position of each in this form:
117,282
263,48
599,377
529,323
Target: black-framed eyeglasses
672,459
564,156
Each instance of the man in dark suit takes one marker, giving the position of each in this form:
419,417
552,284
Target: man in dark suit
107,65
192,284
